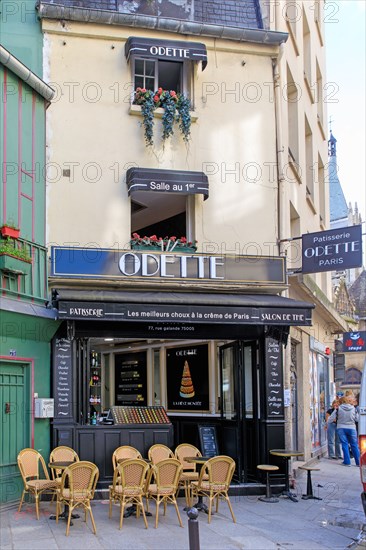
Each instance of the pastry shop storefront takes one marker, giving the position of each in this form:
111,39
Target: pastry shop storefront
158,347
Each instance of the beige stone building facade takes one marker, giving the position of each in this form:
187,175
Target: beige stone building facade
248,183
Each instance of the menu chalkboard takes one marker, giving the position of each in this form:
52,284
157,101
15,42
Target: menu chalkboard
62,357
274,381
130,379
208,439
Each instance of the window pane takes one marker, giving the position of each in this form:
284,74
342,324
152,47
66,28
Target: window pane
149,68
139,82
170,75
139,66
149,83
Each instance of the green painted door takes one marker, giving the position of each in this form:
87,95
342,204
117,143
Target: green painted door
15,416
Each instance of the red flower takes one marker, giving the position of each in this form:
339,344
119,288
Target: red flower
172,93
143,90
173,239
183,240
160,91
360,342
153,238
348,343
135,235
156,98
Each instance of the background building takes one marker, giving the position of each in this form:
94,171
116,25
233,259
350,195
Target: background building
27,324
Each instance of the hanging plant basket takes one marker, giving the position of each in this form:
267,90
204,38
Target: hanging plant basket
177,110
10,232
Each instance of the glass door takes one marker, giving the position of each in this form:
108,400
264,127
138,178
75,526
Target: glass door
238,406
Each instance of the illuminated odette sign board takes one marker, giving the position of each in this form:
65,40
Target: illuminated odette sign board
332,250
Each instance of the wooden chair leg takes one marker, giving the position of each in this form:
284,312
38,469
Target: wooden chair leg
37,502
157,512
92,518
230,507
69,519
21,500
178,514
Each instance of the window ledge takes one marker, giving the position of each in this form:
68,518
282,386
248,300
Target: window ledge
294,167
308,87
321,127
309,200
158,113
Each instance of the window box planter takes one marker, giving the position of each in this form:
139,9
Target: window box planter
152,249
14,264
12,232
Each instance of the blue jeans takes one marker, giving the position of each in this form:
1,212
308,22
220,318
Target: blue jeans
348,437
334,445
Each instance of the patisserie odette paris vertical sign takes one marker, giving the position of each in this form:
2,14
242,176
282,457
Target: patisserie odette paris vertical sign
187,378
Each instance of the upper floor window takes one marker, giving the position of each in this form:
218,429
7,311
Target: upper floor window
166,64
152,74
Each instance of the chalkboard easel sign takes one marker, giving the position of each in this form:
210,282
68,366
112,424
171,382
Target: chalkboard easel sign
208,440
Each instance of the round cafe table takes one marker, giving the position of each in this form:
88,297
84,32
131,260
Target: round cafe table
199,461
62,465
286,455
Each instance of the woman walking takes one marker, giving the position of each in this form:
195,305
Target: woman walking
346,417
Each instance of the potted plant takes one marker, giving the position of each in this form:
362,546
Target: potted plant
164,244
14,258
176,107
10,231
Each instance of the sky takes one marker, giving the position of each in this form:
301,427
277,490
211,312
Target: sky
344,23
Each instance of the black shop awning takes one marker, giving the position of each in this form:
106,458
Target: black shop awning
171,50
214,308
166,181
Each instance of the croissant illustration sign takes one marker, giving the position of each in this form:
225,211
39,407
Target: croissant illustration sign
354,341
332,250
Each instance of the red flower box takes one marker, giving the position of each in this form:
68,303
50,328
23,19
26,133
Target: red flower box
11,232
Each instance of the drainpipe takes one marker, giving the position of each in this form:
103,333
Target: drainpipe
282,219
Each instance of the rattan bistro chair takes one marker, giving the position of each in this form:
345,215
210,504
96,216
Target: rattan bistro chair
129,486
166,476
220,470
159,452
31,465
189,472
77,488
125,451
62,454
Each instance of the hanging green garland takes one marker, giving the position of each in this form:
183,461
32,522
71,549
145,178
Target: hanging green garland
184,116
176,109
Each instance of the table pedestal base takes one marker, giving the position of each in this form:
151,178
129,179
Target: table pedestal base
64,516
289,495
269,499
131,511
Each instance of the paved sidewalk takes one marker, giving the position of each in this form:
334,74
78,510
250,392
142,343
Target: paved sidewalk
336,522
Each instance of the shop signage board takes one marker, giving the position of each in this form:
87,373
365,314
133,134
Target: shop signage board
274,379
208,440
170,50
354,341
101,263
166,181
62,386
332,250
187,378
184,313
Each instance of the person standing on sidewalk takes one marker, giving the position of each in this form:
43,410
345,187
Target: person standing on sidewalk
346,417
334,445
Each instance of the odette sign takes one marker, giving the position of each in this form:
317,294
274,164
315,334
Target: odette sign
332,250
